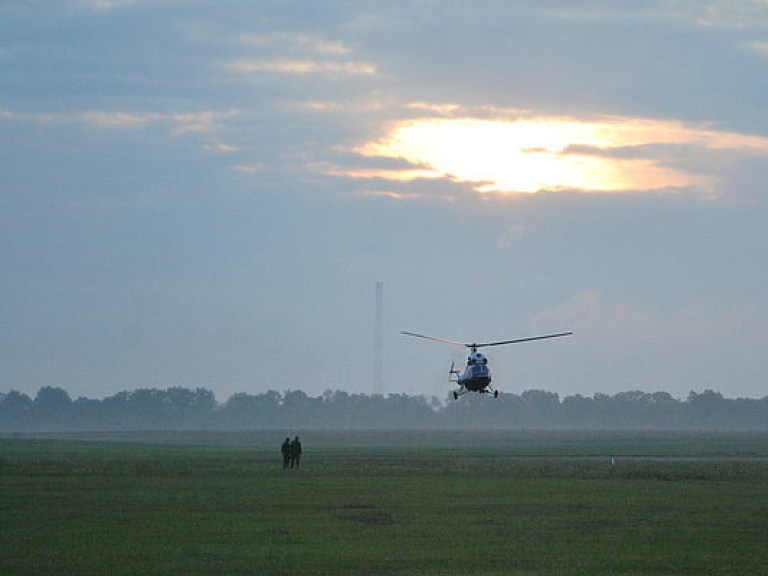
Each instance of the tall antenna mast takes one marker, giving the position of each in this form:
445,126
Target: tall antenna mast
378,341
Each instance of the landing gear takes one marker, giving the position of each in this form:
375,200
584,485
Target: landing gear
455,395
495,393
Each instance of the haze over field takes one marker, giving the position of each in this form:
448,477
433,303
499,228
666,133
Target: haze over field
206,193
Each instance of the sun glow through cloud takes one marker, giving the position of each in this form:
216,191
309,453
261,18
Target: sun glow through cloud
547,154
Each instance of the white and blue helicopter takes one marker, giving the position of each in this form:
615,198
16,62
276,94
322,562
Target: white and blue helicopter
476,377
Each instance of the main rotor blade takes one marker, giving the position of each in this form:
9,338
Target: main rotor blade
522,340
454,342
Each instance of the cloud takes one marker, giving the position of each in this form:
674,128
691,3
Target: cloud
307,42
177,123
443,109
391,194
220,147
302,67
248,168
511,235
105,4
346,105
300,54
109,120
731,14
394,174
759,47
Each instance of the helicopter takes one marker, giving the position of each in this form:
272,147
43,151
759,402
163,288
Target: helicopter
476,377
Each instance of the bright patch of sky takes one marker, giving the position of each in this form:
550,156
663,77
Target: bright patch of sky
546,154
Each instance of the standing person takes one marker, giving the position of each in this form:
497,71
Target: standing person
295,452
286,451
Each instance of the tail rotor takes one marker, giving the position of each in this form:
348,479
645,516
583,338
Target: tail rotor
453,374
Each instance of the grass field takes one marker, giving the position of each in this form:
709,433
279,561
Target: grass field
385,503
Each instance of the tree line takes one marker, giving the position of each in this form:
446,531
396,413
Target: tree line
179,408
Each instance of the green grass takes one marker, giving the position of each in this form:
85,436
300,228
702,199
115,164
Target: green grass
383,504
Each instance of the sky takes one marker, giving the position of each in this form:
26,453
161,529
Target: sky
206,194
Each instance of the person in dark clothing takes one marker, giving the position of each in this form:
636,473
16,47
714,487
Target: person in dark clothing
286,451
295,452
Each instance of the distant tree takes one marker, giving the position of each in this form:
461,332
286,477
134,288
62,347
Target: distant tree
300,410
15,411
114,410
542,408
51,408
706,410
665,411
87,413
243,410
186,407
174,407
407,412
580,412
149,408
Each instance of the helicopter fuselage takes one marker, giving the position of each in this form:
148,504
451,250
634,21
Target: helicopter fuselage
476,377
